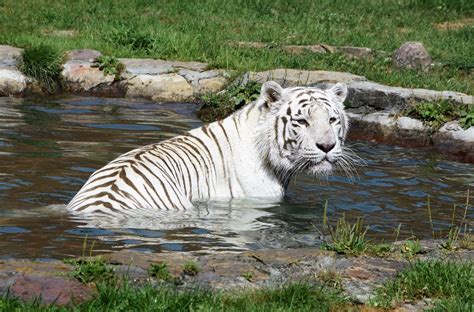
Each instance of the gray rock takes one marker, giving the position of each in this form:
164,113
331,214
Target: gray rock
83,55
456,140
12,82
294,77
412,55
10,57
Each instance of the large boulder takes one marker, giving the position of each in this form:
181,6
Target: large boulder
412,55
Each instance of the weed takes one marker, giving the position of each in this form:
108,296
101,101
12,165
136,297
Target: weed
346,238
90,270
191,268
248,276
220,105
160,270
331,278
411,248
43,63
436,114
110,66
379,250
449,281
467,117
453,241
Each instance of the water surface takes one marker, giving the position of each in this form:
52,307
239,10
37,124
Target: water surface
49,147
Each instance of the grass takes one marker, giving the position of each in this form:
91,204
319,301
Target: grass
200,31
160,271
191,268
43,63
126,297
449,282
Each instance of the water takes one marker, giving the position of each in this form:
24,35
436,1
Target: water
49,147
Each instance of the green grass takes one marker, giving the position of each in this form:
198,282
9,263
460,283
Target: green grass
191,268
160,271
200,30
449,282
43,63
127,297
90,270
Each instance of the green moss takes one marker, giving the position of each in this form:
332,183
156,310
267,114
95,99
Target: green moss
90,270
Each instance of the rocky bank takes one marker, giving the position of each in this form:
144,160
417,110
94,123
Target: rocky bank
358,277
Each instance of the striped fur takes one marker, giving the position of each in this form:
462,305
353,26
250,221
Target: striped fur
252,153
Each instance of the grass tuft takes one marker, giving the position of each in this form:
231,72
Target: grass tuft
451,282
346,238
191,268
160,271
43,63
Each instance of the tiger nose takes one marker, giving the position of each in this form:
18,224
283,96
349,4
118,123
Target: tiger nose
326,147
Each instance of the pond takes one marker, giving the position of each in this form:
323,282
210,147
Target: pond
49,147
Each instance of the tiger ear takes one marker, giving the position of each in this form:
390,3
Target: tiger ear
271,93
340,91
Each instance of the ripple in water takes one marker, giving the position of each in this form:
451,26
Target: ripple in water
49,147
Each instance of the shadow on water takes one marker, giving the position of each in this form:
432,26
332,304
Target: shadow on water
49,147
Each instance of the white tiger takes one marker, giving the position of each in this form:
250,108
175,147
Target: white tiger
252,153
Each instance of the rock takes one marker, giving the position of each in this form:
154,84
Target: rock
214,85
80,76
383,127
50,290
457,141
412,55
167,87
12,82
356,52
85,55
294,77
10,57
157,67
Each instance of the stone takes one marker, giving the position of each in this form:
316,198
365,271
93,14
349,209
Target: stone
167,87
12,82
457,141
360,53
50,290
407,123
86,55
82,77
214,85
412,55
294,77
10,56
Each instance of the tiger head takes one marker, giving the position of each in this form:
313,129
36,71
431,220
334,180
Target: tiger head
304,129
